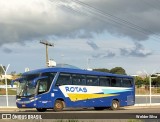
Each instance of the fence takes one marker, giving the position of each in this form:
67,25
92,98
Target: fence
145,90
142,96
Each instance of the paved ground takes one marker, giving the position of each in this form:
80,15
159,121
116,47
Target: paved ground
139,100
136,106
126,114
139,109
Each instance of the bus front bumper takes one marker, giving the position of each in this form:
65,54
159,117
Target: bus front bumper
26,102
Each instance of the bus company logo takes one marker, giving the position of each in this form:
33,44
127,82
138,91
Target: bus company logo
76,89
6,116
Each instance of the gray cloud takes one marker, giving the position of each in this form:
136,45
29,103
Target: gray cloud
47,18
125,17
93,45
137,51
7,50
98,52
106,54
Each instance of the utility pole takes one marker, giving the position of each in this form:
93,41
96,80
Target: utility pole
46,43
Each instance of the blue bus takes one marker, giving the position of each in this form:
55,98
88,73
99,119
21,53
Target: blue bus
56,88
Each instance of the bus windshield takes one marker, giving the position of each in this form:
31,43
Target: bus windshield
26,86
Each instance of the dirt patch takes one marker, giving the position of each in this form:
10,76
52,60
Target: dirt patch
2,91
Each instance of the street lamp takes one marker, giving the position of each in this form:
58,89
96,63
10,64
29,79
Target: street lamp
150,86
5,75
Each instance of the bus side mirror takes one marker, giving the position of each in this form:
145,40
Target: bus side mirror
16,80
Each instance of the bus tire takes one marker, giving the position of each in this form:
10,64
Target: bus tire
115,105
58,106
41,109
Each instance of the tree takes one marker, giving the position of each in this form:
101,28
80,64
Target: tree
146,81
102,70
156,81
13,72
138,81
118,70
1,70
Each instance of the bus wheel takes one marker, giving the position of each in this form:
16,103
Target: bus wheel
115,105
41,109
58,106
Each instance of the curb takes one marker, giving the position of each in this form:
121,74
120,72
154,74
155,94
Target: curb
136,106
148,104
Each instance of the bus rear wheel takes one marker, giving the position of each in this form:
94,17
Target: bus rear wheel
41,109
58,106
115,105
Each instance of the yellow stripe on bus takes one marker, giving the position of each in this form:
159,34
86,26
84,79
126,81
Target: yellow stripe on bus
77,97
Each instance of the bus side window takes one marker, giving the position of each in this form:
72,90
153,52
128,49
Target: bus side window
83,80
116,82
76,79
50,78
127,82
92,80
63,79
42,87
104,81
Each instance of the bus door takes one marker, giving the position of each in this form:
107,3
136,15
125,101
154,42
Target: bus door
43,100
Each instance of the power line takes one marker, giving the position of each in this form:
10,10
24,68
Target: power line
92,10
129,24
153,4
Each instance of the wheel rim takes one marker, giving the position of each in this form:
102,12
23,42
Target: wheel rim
115,105
58,106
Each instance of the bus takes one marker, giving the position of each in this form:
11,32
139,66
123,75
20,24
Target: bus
57,88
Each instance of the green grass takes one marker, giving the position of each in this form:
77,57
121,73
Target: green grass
10,92
146,91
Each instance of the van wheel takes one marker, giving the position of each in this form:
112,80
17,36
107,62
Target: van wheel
41,109
58,106
115,105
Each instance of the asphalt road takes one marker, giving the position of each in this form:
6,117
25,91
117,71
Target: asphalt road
146,99
139,100
69,114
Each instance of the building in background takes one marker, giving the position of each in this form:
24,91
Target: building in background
2,77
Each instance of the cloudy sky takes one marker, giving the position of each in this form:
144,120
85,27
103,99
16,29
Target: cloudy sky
107,33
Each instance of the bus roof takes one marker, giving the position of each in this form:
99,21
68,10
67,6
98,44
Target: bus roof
76,71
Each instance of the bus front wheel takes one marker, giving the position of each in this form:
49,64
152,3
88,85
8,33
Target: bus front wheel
115,105
58,106
41,109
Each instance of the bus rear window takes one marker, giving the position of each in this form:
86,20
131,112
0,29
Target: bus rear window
127,82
